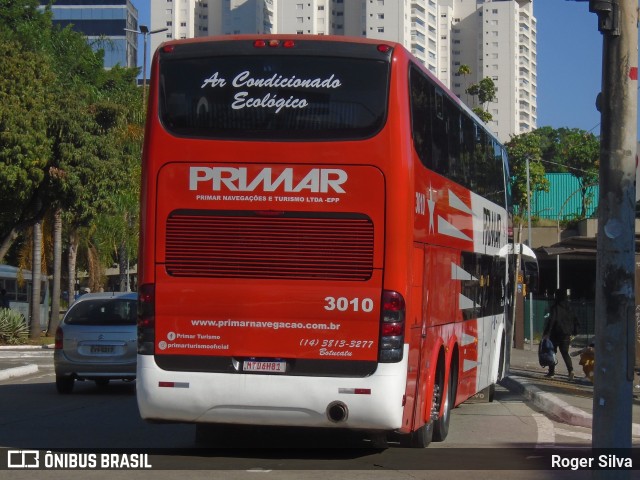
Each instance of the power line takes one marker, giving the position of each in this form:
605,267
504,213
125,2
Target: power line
566,166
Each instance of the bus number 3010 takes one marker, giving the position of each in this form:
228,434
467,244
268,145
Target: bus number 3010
343,304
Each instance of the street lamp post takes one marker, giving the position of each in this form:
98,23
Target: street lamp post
531,247
145,32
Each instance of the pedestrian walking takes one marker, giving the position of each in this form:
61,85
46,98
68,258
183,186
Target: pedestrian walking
561,325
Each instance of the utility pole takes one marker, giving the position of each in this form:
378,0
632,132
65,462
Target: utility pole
615,271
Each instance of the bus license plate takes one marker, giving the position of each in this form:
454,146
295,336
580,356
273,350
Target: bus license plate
264,366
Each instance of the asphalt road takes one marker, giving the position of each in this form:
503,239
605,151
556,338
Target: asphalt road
484,437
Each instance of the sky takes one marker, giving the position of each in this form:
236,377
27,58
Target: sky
569,62
569,65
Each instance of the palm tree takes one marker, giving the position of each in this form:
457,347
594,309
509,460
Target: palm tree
465,70
36,276
57,271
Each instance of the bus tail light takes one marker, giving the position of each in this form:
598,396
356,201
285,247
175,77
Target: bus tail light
146,319
274,43
392,327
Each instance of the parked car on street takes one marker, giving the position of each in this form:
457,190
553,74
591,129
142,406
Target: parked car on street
97,340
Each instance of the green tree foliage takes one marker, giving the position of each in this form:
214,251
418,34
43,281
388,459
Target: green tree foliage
70,132
24,144
581,152
563,150
575,151
483,115
521,148
485,90
20,20
126,133
464,71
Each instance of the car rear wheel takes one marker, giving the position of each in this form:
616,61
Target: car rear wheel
64,384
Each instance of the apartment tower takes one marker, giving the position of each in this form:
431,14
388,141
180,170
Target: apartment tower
494,38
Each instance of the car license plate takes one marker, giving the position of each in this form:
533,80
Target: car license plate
264,366
101,349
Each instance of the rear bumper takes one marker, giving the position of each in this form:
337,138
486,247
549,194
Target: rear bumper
89,370
201,397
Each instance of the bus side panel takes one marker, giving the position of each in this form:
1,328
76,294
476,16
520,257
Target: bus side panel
415,331
444,304
443,286
153,146
438,329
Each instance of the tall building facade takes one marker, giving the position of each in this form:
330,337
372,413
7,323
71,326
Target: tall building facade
103,23
493,38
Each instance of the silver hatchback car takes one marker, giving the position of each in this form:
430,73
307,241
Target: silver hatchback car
97,340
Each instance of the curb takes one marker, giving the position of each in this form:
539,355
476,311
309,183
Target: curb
27,347
18,371
552,405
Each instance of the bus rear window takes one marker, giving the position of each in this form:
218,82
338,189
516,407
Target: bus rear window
273,97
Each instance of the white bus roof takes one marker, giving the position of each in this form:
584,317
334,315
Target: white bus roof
515,248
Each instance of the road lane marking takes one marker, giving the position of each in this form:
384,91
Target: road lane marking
546,431
570,433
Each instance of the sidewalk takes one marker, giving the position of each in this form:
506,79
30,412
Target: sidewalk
9,370
570,402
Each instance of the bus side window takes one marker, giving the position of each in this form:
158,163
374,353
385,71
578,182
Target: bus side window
480,160
421,94
466,155
439,107
497,179
455,142
440,143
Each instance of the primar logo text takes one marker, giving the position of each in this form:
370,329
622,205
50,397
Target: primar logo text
492,226
317,180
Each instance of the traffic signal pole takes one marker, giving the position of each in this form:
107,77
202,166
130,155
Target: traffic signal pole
615,270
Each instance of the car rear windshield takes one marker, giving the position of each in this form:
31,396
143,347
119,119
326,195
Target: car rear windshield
109,311
271,97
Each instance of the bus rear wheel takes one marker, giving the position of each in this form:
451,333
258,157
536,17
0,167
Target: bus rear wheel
441,422
420,438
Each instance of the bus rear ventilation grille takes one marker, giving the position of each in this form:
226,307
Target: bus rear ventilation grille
299,246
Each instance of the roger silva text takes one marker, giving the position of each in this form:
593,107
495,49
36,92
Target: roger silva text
587,462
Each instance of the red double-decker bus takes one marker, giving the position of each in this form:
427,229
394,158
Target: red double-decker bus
321,227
